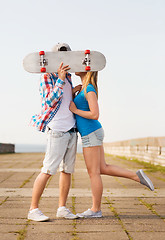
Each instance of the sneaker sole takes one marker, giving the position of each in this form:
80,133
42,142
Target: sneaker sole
90,216
147,180
94,217
71,218
44,220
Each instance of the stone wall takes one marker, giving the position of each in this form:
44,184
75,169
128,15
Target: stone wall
151,149
7,148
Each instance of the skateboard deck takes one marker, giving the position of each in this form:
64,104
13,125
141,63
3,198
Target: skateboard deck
78,61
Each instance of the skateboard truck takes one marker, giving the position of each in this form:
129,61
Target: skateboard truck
43,61
87,60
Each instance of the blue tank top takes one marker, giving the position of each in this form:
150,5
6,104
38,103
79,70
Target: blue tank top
85,126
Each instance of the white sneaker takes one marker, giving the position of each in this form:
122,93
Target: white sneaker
63,212
90,214
37,215
145,180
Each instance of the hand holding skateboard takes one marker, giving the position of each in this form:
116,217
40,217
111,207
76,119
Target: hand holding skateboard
62,70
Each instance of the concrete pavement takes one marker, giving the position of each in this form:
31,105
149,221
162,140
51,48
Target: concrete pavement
130,210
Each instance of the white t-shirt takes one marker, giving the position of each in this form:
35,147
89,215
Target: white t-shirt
64,119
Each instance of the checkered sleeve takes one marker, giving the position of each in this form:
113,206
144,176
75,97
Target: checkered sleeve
50,92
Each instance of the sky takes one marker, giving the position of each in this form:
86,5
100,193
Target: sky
131,35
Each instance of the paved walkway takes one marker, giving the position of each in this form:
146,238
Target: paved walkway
130,210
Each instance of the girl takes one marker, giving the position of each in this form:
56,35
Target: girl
85,107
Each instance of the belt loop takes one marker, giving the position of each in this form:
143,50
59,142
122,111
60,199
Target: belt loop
73,130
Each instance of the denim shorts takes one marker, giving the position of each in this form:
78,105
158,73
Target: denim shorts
93,139
61,152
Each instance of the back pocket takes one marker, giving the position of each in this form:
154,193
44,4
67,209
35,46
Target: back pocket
99,134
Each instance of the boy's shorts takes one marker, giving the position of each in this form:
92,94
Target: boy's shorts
61,152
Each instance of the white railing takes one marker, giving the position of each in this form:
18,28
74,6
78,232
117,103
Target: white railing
139,149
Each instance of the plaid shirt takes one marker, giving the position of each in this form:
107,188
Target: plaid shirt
51,91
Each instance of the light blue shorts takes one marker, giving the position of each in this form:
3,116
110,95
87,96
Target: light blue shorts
61,152
93,139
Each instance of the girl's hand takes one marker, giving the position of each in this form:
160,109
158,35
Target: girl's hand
72,107
77,89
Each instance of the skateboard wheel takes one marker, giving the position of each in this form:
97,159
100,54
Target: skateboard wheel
87,68
41,53
43,69
87,51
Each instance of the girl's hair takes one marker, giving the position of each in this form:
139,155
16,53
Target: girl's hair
90,78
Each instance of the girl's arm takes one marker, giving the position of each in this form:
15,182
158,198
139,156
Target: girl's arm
93,106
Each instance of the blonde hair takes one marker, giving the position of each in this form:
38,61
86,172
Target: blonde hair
90,78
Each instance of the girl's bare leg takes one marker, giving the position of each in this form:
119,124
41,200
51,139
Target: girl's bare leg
92,160
113,170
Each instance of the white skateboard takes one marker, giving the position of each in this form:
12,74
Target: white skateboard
78,61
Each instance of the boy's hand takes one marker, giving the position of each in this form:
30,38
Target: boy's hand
62,71
77,88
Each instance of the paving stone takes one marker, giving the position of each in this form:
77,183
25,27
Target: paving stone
8,236
50,228
48,236
144,225
97,227
103,236
8,228
148,235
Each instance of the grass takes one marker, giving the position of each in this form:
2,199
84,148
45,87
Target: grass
148,166
4,201
117,216
22,232
72,184
26,181
74,232
150,207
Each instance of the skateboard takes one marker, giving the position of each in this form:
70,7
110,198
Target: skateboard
78,61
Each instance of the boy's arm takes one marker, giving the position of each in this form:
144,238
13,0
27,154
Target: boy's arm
76,89
51,94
